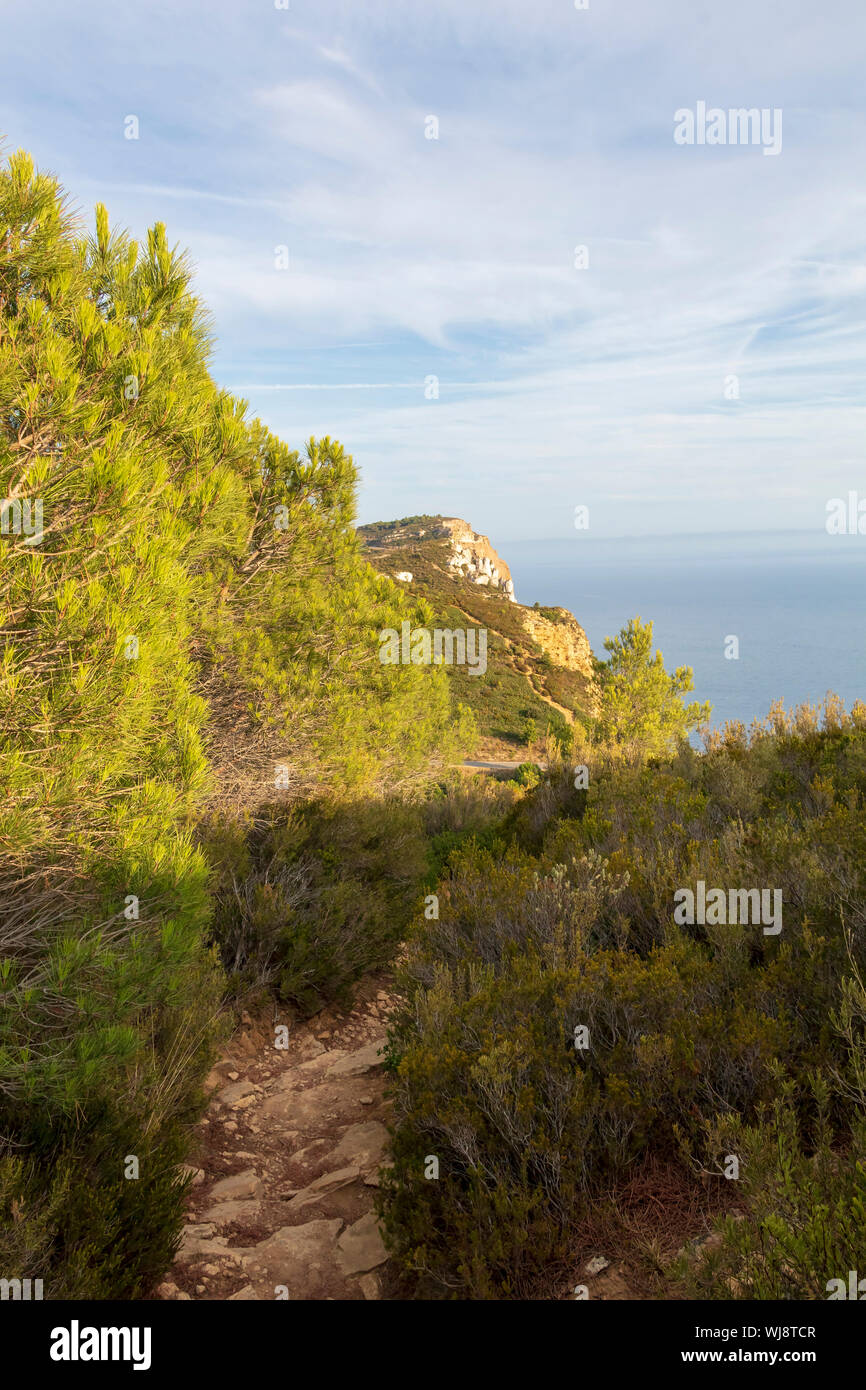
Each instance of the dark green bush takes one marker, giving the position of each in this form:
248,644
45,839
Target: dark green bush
308,899
689,1026
803,1230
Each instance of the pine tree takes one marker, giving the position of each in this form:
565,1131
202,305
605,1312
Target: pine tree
642,712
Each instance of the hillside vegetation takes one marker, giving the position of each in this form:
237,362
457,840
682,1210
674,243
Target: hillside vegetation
563,1031
191,635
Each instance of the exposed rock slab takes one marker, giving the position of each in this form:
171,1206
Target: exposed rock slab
361,1247
302,1258
320,1107
200,1242
235,1092
246,1184
225,1213
363,1145
328,1182
358,1063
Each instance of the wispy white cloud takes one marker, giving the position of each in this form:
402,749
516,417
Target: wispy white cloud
344,61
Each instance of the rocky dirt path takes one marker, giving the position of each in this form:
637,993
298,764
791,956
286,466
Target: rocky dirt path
288,1157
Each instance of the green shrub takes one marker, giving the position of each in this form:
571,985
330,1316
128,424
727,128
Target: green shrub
528,775
315,895
308,899
805,1206
691,1028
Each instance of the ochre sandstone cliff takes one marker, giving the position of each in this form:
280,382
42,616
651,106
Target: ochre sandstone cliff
562,639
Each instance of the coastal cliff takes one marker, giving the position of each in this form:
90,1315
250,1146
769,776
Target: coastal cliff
470,555
560,636
541,670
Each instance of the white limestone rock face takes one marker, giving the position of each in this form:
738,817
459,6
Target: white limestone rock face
473,558
470,555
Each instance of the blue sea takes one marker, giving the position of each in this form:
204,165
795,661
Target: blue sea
796,601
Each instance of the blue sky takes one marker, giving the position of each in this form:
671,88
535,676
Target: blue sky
412,257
